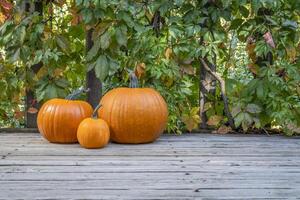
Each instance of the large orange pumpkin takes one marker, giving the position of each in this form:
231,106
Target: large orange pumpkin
134,115
93,132
58,119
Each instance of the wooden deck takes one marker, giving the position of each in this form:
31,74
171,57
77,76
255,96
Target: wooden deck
191,166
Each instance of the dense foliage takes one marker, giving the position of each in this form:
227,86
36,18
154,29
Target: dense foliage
253,44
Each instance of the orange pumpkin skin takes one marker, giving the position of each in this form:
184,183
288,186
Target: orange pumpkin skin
58,119
93,133
134,115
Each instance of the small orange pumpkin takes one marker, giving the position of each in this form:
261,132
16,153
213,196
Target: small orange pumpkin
93,132
58,119
134,115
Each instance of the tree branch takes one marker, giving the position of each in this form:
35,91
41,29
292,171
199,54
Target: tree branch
223,92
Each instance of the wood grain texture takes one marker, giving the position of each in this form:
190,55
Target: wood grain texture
190,166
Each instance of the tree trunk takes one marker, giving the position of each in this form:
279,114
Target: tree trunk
223,92
92,82
30,100
207,85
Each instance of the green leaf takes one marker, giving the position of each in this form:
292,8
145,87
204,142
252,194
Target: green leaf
236,110
38,57
94,50
113,67
39,28
239,119
236,23
78,2
260,91
63,83
105,40
51,92
243,119
100,29
257,122
22,34
16,55
126,17
91,66
253,108
87,15
255,5
101,67
178,2
62,42
244,11
121,35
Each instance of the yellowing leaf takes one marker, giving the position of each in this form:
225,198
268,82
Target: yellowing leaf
101,28
251,52
42,72
168,53
207,106
291,53
191,119
148,15
18,114
190,122
214,120
32,110
188,69
224,129
293,127
76,17
253,68
58,72
16,98
2,18
59,2
168,81
17,18
140,69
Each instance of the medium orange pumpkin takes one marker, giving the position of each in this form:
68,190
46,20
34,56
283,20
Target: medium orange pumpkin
134,115
58,119
93,132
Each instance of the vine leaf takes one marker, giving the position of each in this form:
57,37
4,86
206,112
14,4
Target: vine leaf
62,42
192,119
101,67
76,18
121,35
214,120
168,53
223,130
18,114
7,7
140,70
100,29
105,40
253,68
2,18
253,108
291,53
188,69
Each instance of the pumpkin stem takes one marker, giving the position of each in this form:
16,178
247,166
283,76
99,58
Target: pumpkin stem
134,82
95,112
75,94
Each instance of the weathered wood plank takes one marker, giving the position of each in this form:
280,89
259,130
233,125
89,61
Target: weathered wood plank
191,166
